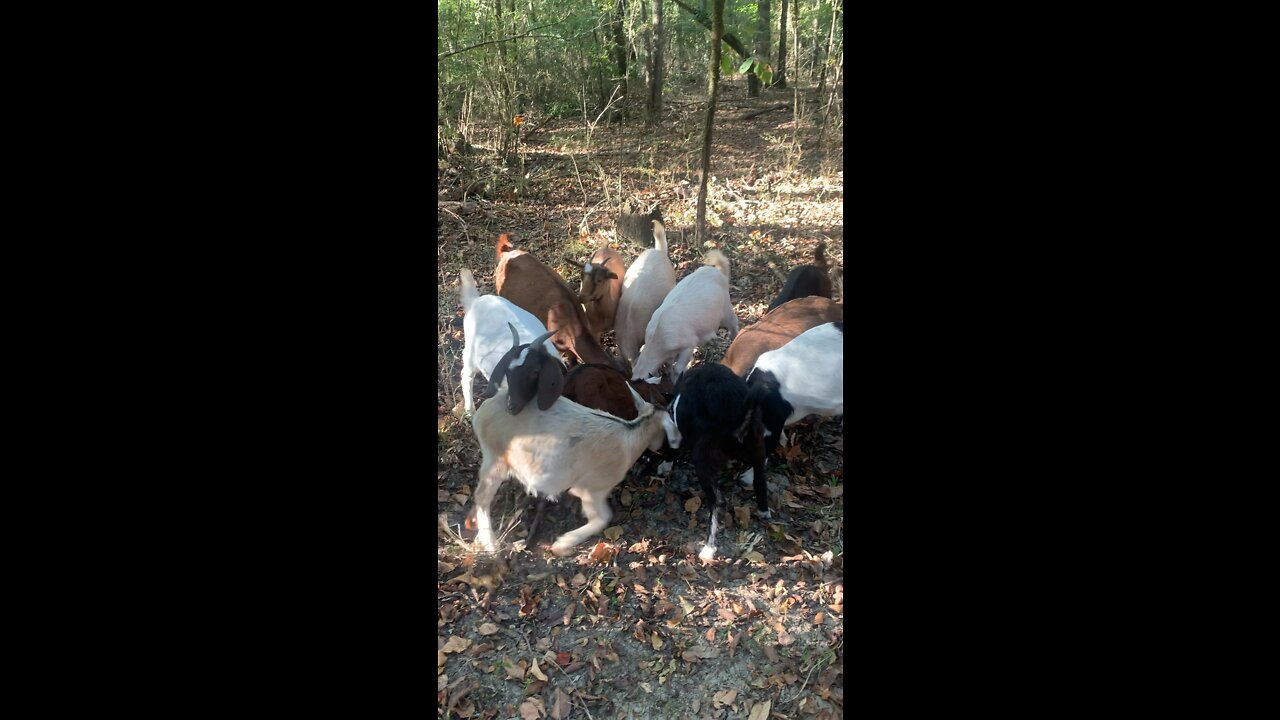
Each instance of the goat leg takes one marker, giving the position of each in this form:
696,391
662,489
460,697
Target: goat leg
537,518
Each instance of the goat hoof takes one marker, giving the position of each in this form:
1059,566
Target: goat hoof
562,550
765,514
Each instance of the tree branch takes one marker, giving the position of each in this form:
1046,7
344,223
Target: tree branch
527,33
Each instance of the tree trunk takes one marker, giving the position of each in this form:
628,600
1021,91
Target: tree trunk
619,40
713,85
826,59
762,44
655,68
780,78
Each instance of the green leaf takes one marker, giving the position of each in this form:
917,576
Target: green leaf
726,67
746,65
766,76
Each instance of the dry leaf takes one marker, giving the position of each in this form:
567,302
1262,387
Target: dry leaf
742,515
514,672
613,533
723,698
455,644
656,641
537,672
561,709
693,504
785,638
625,497
531,709
563,658
647,687
579,579
761,710
711,635
568,612
817,619
754,556
771,652
487,629
445,567
442,682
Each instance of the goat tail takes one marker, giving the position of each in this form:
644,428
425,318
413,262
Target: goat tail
721,263
660,236
504,245
820,255
469,292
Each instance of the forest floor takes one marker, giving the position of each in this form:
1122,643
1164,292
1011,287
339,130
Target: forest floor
635,625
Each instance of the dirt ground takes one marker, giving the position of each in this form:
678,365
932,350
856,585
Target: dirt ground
636,625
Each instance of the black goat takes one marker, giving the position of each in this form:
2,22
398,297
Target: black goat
717,422
807,280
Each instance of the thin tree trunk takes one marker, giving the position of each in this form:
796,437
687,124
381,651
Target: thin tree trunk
826,59
762,44
729,38
655,70
780,79
713,85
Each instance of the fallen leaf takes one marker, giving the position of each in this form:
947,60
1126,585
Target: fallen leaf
742,515
487,629
563,658
656,641
711,635
613,533
693,504
647,687
442,682
785,638
761,710
537,672
625,497
514,671
455,644
723,698
754,556
579,579
561,709
568,612
531,709
817,619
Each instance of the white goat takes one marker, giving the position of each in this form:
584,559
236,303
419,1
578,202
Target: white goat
566,447
644,287
488,337
690,315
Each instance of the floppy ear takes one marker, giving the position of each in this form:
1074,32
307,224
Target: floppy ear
609,275
501,368
550,382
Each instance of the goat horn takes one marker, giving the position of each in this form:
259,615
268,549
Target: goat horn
515,336
541,338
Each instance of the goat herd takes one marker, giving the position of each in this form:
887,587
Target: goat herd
588,428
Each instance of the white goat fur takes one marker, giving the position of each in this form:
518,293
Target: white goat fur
487,336
567,447
690,315
644,287
810,372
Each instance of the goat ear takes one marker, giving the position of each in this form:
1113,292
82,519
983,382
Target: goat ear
550,382
610,275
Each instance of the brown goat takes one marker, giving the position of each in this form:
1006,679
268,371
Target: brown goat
779,327
605,388
601,287
528,283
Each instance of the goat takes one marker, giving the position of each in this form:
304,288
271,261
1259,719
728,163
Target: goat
600,289
714,417
541,372
530,284
804,377
806,280
602,387
645,286
837,277
777,328
690,315
485,327
563,447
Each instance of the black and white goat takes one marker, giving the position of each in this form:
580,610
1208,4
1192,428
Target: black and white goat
804,377
716,421
530,370
485,328
560,447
